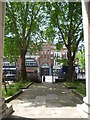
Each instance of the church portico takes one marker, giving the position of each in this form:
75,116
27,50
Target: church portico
4,110
85,107
2,5
86,25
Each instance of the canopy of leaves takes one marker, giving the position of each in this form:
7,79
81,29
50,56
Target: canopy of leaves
81,56
66,21
62,61
22,23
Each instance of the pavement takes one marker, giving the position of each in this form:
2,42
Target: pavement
45,100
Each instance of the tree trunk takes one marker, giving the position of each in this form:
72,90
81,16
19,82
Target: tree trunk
23,68
70,70
70,67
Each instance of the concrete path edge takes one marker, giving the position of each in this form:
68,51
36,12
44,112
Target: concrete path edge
7,100
78,94
74,91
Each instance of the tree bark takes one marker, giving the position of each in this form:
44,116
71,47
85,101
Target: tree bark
70,67
23,68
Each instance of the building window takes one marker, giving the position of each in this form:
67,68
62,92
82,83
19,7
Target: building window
44,49
30,63
55,54
51,53
41,52
48,56
41,49
48,49
41,55
44,55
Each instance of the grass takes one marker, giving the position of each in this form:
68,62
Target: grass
71,84
81,88
13,88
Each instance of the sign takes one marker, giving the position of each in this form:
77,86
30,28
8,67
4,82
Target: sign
45,65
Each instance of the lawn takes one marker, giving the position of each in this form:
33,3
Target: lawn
81,88
13,88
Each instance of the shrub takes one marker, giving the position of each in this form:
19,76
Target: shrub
81,88
13,88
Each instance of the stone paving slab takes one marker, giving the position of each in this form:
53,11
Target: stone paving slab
43,100
49,113
52,96
40,100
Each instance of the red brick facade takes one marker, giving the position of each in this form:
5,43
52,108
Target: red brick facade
47,55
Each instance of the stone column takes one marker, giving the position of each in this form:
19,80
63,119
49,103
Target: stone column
2,22
86,27
4,110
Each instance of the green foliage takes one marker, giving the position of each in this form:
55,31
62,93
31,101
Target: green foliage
59,46
11,49
81,88
62,60
22,23
50,34
81,57
13,88
65,62
22,27
66,21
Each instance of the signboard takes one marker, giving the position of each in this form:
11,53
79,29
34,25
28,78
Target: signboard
45,65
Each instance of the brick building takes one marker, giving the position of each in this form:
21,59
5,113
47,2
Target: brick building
31,63
60,55
47,58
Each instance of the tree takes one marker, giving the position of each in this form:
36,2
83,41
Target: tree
66,20
81,56
22,22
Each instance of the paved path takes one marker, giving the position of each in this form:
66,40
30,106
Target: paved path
46,100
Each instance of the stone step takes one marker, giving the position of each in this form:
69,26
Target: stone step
6,109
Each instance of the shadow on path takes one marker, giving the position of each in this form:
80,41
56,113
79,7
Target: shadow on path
45,101
22,118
